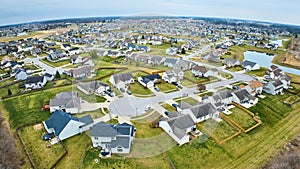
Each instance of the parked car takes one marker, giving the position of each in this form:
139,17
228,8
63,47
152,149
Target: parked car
175,105
175,83
147,108
157,89
122,90
129,92
167,113
179,86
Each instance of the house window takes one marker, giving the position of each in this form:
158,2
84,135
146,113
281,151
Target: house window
96,138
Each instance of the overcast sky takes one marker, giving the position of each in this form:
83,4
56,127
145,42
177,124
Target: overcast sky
20,11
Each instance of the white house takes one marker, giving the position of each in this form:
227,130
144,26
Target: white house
274,87
64,125
35,82
149,80
202,112
220,99
117,139
174,75
243,97
21,75
66,101
255,87
249,66
121,80
178,127
92,87
170,62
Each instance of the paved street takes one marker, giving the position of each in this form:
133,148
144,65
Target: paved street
130,106
47,68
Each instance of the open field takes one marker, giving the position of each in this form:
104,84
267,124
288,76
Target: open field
242,118
235,68
261,72
26,109
42,156
189,100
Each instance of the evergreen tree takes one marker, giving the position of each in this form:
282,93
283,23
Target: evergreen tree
9,92
57,75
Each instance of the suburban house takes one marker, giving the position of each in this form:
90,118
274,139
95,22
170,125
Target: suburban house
65,46
255,87
64,125
174,75
183,65
117,139
220,99
82,60
202,112
66,101
48,77
243,97
35,82
121,80
156,60
277,74
149,80
93,87
249,66
274,87
21,75
74,51
81,72
56,55
229,62
286,80
170,62
202,71
178,127
172,51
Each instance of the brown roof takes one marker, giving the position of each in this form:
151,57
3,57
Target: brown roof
202,69
255,84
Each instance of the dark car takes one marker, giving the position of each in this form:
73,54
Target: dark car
175,83
46,136
157,89
179,86
167,113
129,92
175,105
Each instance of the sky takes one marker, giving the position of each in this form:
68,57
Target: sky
22,11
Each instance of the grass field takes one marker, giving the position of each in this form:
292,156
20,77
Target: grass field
168,107
42,156
221,130
104,72
235,68
143,128
138,89
189,100
261,72
242,118
76,146
94,114
56,64
166,87
26,109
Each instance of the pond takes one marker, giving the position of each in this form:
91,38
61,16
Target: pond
265,60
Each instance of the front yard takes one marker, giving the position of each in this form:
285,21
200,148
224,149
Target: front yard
166,87
138,90
189,100
261,72
55,64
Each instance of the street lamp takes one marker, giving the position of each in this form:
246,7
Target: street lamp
136,111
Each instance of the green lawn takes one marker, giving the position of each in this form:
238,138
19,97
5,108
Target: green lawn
31,67
55,64
261,72
144,130
42,156
221,130
235,68
189,100
168,107
104,72
138,89
56,83
242,118
292,99
26,109
166,87
94,114
76,146
189,75
226,75
187,83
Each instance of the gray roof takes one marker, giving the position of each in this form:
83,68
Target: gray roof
180,123
86,119
184,105
67,99
34,80
122,77
248,63
203,110
171,60
121,141
91,86
81,70
243,94
103,129
277,83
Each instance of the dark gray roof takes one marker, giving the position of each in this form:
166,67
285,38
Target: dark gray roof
277,83
93,85
86,119
121,141
248,63
103,129
243,94
171,60
59,120
34,79
67,99
122,77
150,77
184,105
179,123
203,110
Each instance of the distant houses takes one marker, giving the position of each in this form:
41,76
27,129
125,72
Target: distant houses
249,65
149,80
93,87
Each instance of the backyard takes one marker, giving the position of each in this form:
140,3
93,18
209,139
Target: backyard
42,156
55,64
139,90
242,118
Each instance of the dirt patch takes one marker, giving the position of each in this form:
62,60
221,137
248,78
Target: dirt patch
38,127
287,158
